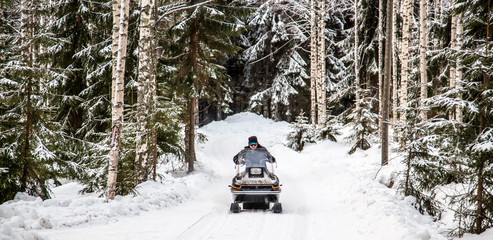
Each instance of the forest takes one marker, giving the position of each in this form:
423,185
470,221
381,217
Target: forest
102,91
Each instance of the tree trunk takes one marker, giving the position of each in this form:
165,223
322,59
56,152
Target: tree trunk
386,83
117,96
115,31
219,108
191,104
453,44
27,56
406,37
143,163
322,84
380,59
265,107
423,48
313,62
482,125
395,54
356,56
190,134
458,79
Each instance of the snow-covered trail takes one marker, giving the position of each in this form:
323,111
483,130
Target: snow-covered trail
327,194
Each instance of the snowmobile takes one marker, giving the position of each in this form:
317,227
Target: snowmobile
255,185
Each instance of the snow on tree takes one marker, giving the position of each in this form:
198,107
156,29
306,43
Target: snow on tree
30,153
303,132
146,91
276,33
201,42
121,9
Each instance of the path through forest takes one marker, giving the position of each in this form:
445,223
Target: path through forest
326,194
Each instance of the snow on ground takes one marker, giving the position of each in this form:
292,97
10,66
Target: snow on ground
327,194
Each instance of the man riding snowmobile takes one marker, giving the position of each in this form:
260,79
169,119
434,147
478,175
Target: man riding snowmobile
255,185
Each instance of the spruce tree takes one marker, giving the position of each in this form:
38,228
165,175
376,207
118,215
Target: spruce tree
200,43
455,151
31,153
302,133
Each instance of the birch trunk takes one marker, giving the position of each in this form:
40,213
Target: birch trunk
423,48
321,86
356,55
386,82
117,96
114,49
313,62
452,76
145,94
406,36
458,80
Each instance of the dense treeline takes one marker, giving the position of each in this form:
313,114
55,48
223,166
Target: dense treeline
91,89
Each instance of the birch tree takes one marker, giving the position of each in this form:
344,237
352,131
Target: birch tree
317,58
322,78
120,14
452,72
455,76
145,91
458,68
423,48
313,61
406,37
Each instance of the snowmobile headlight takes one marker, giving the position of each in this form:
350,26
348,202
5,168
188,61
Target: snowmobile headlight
255,171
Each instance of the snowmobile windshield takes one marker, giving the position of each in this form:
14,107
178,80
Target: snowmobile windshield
256,158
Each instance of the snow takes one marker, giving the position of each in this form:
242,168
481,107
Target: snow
327,194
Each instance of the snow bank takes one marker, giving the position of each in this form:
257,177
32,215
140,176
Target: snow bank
67,209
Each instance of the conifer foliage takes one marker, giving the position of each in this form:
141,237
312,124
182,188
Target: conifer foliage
201,42
303,132
30,154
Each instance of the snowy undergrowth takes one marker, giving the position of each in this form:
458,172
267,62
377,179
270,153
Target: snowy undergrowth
19,217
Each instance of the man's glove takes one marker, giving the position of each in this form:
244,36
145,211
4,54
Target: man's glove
273,159
235,159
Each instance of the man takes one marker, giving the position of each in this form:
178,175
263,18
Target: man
253,145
